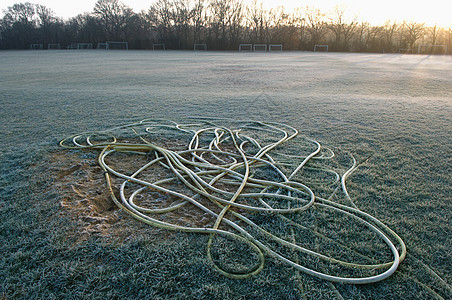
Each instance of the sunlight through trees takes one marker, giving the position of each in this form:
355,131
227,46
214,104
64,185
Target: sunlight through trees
220,24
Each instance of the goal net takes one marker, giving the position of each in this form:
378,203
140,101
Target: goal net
245,47
36,46
200,47
275,48
158,46
432,49
53,46
260,47
320,48
117,45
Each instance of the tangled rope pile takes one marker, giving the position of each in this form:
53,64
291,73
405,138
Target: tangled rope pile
234,175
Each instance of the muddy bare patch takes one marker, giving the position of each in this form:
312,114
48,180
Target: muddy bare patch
86,199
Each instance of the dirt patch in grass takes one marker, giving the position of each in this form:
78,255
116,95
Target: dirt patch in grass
86,200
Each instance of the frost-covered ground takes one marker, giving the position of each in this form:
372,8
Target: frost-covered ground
395,109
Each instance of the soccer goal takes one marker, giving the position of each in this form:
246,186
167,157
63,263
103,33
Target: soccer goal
275,48
53,46
200,47
117,45
320,48
245,47
36,46
158,47
260,47
432,49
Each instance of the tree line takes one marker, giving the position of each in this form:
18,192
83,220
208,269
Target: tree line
220,24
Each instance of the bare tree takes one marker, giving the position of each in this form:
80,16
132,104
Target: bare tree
316,25
160,18
113,15
19,25
342,29
23,13
387,36
226,17
413,31
198,20
434,32
258,22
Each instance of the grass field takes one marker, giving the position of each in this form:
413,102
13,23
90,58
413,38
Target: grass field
392,112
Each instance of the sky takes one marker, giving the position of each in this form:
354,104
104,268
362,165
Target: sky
375,12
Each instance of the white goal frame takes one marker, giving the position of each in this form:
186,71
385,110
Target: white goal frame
322,47
111,43
56,46
245,47
257,46
432,46
158,47
200,47
36,46
275,48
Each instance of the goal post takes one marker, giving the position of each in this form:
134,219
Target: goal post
245,47
320,48
432,49
275,48
117,45
158,47
260,48
200,47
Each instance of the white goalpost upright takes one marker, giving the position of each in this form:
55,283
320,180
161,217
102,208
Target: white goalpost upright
320,48
429,49
245,47
117,45
275,48
200,47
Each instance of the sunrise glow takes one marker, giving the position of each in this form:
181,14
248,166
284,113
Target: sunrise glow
374,12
